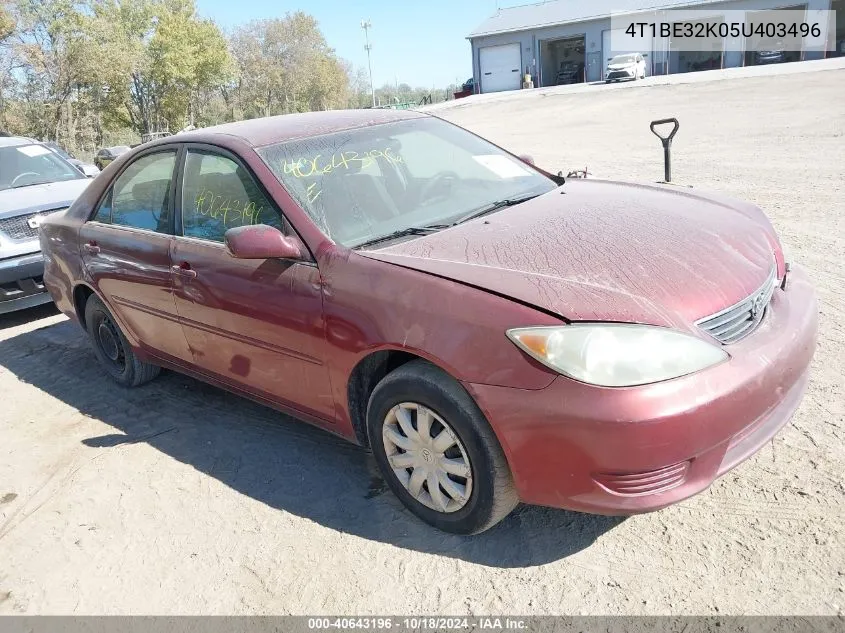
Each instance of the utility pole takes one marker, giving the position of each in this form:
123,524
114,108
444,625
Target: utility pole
366,25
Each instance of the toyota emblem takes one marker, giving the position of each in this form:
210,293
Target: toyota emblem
756,306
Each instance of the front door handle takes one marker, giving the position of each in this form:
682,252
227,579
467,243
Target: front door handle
184,269
92,248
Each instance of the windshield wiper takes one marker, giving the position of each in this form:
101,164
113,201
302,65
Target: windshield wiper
411,230
31,184
494,206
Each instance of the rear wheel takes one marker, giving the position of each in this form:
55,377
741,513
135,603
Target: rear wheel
437,452
112,349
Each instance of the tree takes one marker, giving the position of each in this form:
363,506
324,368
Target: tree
7,22
359,88
48,48
285,65
163,58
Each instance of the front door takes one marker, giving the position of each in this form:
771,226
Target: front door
257,324
126,250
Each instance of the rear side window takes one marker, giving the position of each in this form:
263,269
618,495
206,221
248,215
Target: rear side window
218,194
140,197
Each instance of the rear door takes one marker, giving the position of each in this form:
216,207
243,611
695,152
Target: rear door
126,250
257,324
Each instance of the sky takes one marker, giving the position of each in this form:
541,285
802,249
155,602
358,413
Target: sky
419,43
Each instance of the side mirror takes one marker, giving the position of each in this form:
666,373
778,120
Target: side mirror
259,241
526,158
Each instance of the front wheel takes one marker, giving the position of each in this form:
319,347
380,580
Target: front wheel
112,349
437,451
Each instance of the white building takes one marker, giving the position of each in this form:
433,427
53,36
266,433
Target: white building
541,39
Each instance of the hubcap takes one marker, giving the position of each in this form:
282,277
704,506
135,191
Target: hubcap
108,341
427,457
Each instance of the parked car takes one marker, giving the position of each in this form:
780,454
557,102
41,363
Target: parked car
711,63
611,350
469,85
87,169
108,154
34,182
770,52
630,66
570,73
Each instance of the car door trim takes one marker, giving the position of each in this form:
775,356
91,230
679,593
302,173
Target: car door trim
240,338
128,303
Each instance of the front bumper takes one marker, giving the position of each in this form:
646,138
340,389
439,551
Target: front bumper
22,283
629,450
621,74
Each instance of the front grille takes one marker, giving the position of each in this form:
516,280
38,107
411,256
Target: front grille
740,320
18,228
618,74
22,288
648,482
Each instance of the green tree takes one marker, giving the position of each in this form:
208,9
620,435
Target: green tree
7,22
48,45
162,59
285,65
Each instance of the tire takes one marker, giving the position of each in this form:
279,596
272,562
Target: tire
111,348
492,494
607,81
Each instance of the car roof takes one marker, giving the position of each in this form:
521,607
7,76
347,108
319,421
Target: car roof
14,141
288,127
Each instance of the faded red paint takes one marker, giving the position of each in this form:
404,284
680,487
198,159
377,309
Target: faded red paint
289,334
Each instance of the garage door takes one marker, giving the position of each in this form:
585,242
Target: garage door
500,67
640,45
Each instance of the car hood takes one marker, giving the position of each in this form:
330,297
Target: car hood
621,66
604,251
54,195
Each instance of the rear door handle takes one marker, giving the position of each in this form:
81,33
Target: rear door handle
184,270
91,247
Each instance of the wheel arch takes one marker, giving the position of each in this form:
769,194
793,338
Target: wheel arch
81,294
368,372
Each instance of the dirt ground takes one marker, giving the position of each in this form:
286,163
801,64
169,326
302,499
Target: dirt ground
179,498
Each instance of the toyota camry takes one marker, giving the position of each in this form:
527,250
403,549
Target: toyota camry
493,333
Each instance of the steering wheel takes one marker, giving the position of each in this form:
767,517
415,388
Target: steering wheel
19,176
437,182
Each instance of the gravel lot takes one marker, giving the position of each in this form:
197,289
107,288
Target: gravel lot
179,498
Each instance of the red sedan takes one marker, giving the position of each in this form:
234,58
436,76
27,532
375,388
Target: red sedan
493,334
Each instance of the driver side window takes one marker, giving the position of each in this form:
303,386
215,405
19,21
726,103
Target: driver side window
140,197
218,194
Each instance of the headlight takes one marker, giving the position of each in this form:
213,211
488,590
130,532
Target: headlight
617,355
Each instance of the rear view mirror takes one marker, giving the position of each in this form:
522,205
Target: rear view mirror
259,241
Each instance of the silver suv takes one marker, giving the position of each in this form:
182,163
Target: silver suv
34,181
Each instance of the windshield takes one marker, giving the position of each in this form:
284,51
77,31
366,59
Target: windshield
25,165
362,184
624,59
